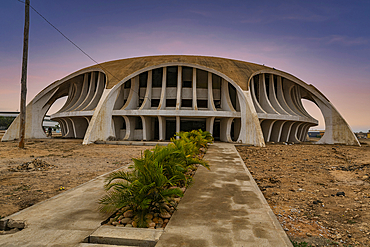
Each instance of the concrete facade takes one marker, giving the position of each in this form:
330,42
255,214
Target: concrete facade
151,98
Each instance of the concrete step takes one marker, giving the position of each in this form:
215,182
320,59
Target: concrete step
113,235
101,245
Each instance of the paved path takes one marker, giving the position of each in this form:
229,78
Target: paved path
63,220
223,207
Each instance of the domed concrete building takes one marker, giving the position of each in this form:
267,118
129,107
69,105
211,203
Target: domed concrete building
152,98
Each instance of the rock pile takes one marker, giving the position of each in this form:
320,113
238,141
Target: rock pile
34,165
125,217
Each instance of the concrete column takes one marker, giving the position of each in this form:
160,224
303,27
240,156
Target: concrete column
226,104
209,124
256,104
133,97
194,85
266,126
264,100
147,128
162,101
237,128
177,125
211,103
294,131
277,129
130,128
225,129
148,93
286,131
162,128
71,131
250,132
179,88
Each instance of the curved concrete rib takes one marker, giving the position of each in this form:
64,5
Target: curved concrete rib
209,124
225,129
133,97
287,89
337,130
264,100
98,92
281,97
254,99
266,127
90,93
277,129
211,103
286,131
162,128
194,88
80,125
83,93
293,133
272,97
179,88
76,96
148,93
162,100
297,100
69,99
226,104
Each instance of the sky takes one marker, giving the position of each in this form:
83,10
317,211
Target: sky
324,43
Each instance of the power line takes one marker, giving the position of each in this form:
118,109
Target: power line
76,45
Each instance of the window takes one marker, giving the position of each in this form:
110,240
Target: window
187,77
154,102
171,76
171,103
202,103
157,77
186,103
127,84
143,79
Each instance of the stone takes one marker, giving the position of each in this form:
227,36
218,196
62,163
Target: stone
341,193
149,216
134,224
126,220
16,224
152,224
128,225
121,217
165,215
309,234
365,177
115,223
129,214
327,213
155,220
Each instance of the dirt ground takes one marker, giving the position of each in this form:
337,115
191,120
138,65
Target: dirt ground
304,185
62,164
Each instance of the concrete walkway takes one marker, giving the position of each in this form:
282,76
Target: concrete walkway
63,220
223,207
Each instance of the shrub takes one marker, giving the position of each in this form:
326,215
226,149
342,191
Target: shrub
155,177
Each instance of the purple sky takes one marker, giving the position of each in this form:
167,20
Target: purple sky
324,43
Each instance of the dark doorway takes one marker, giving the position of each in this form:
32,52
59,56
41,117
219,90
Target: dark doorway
156,129
170,129
216,130
193,124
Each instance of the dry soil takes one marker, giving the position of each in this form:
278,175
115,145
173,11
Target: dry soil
62,164
319,193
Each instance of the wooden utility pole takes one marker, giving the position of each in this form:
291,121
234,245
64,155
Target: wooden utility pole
22,114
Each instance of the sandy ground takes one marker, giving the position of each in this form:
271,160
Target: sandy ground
68,164
301,183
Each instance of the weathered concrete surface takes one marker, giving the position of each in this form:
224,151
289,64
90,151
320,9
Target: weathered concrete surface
125,236
63,220
223,207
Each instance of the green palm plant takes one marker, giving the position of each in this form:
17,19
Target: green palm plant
145,189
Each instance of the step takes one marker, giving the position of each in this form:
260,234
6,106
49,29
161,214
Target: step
113,235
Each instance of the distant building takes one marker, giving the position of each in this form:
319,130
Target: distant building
47,122
152,98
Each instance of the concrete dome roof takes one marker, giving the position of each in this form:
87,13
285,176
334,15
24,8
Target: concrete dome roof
238,71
